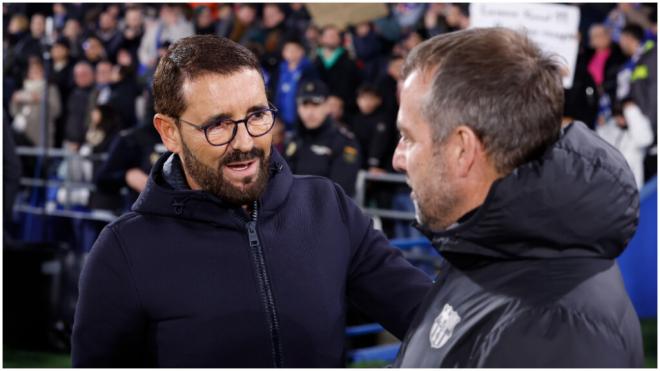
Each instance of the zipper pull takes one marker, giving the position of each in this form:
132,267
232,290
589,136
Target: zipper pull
252,233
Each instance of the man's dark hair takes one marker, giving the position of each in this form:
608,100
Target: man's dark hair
190,58
497,82
635,31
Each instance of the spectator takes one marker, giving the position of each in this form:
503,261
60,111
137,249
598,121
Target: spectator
79,105
372,130
94,50
368,49
170,27
103,129
244,23
336,109
321,146
312,38
434,20
457,16
605,61
639,79
22,44
102,90
336,68
293,68
60,16
62,76
124,92
298,19
133,30
109,34
73,34
630,132
270,35
26,107
204,22
130,158
408,15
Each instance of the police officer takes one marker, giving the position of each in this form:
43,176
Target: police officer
321,146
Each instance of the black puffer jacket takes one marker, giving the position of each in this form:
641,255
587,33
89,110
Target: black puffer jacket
530,279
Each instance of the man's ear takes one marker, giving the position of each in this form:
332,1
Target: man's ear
169,133
467,148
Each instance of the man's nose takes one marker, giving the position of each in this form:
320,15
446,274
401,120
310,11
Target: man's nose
399,159
243,141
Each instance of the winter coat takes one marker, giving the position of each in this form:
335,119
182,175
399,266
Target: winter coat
531,278
186,280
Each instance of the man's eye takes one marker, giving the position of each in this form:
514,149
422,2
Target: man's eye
220,126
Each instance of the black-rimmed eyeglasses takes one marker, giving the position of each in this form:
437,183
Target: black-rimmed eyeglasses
223,131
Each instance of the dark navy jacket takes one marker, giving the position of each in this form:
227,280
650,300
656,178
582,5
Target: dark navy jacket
531,279
187,281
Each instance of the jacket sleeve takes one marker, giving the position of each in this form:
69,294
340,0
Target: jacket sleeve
559,338
381,283
109,327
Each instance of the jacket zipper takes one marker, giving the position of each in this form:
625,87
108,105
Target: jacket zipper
264,285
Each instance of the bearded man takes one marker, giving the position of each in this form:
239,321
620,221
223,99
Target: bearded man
227,259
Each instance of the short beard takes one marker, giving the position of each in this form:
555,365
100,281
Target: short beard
435,207
213,180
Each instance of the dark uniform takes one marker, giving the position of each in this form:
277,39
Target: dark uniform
330,151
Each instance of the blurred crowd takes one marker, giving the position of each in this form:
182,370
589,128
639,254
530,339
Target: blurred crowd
85,70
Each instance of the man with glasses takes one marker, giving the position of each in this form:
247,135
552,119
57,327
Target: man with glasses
227,259
321,145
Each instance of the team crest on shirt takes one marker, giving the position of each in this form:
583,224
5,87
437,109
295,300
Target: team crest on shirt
443,326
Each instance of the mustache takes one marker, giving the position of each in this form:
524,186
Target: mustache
238,156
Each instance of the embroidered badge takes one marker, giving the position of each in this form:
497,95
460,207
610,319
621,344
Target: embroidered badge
443,326
350,154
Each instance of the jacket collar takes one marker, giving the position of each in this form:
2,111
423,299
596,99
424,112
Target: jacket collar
579,199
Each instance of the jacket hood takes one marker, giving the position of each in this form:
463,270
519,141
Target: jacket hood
579,199
159,198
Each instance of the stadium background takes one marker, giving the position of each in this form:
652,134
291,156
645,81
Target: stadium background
53,214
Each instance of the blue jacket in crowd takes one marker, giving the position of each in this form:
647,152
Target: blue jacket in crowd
185,280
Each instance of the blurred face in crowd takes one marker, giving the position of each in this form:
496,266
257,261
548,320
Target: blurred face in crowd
169,14
59,52
38,26
368,102
434,193
237,171
412,41
246,14
628,44
71,29
312,34
83,75
59,8
104,73
35,71
18,23
94,49
335,107
312,114
124,58
133,18
599,37
331,38
394,68
107,22
204,17
293,53
272,15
